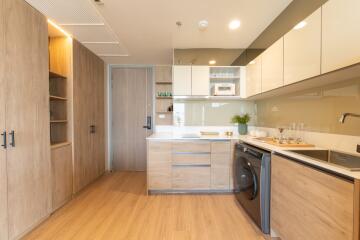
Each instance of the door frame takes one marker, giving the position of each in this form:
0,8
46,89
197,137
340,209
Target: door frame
108,109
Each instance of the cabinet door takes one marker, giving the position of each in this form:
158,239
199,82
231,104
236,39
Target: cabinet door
273,66
159,165
253,77
302,50
62,175
220,165
309,204
200,81
340,34
27,113
191,177
181,80
3,171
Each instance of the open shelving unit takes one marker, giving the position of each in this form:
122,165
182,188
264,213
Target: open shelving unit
58,109
163,104
225,74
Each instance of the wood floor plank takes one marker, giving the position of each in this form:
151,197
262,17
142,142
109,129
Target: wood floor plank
117,207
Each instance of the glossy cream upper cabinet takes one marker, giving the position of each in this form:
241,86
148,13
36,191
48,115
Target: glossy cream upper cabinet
181,80
253,77
302,50
340,34
273,66
200,81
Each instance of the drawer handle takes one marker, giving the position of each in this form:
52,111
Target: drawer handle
191,165
191,153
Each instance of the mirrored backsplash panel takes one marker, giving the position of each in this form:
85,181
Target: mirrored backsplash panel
210,112
318,110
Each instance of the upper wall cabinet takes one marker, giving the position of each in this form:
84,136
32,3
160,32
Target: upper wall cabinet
181,80
253,77
273,66
340,34
200,81
302,50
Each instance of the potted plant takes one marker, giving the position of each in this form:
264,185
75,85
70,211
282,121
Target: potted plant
242,123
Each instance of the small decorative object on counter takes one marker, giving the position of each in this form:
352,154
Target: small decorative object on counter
229,133
242,123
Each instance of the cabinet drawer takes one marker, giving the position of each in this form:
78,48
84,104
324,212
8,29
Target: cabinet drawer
220,147
191,178
191,158
198,146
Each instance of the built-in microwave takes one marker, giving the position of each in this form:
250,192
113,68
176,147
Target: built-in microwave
223,89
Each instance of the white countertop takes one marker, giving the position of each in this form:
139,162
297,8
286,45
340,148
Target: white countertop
251,140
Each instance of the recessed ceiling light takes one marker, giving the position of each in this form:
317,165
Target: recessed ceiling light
203,25
300,25
234,24
212,62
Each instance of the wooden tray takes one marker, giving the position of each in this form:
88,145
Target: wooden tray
272,142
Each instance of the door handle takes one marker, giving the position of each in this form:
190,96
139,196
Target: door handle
148,123
12,137
92,129
4,145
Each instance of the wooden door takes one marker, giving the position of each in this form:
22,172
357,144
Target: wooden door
3,171
27,113
98,112
88,78
182,80
200,80
131,104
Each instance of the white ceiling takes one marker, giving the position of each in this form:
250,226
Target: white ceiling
146,31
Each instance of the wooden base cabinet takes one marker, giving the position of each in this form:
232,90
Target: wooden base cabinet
310,204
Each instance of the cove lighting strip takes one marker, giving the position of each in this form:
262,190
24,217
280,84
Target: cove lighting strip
59,28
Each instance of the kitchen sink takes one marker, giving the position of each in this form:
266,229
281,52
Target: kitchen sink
348,161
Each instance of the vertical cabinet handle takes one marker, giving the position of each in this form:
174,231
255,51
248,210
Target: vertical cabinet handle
92,129
4,145
12,137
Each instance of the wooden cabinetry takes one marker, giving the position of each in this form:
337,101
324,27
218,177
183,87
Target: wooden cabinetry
163,91
3,170
200,81
159,165
302,50
26,72
189,165
88,98
61,170
253,77
181,80
340,34
309,204
272,69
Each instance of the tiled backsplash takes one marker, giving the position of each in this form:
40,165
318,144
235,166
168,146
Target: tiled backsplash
319,109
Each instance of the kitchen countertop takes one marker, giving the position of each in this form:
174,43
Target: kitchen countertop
275,149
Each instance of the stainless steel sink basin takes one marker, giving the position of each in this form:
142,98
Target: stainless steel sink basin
344,160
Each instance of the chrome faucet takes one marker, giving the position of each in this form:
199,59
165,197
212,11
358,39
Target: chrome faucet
345,115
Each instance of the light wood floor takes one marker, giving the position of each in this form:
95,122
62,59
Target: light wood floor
117,207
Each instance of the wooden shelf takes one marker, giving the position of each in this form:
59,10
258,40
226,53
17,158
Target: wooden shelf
56,98
164,112
59,144
164,83
56,75
58,121
164,97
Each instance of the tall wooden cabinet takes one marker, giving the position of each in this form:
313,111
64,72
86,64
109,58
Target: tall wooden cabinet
25,95
3,172
89,129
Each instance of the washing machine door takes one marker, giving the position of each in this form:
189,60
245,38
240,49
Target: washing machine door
246,179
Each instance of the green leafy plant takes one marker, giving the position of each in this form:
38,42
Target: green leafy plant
243,119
